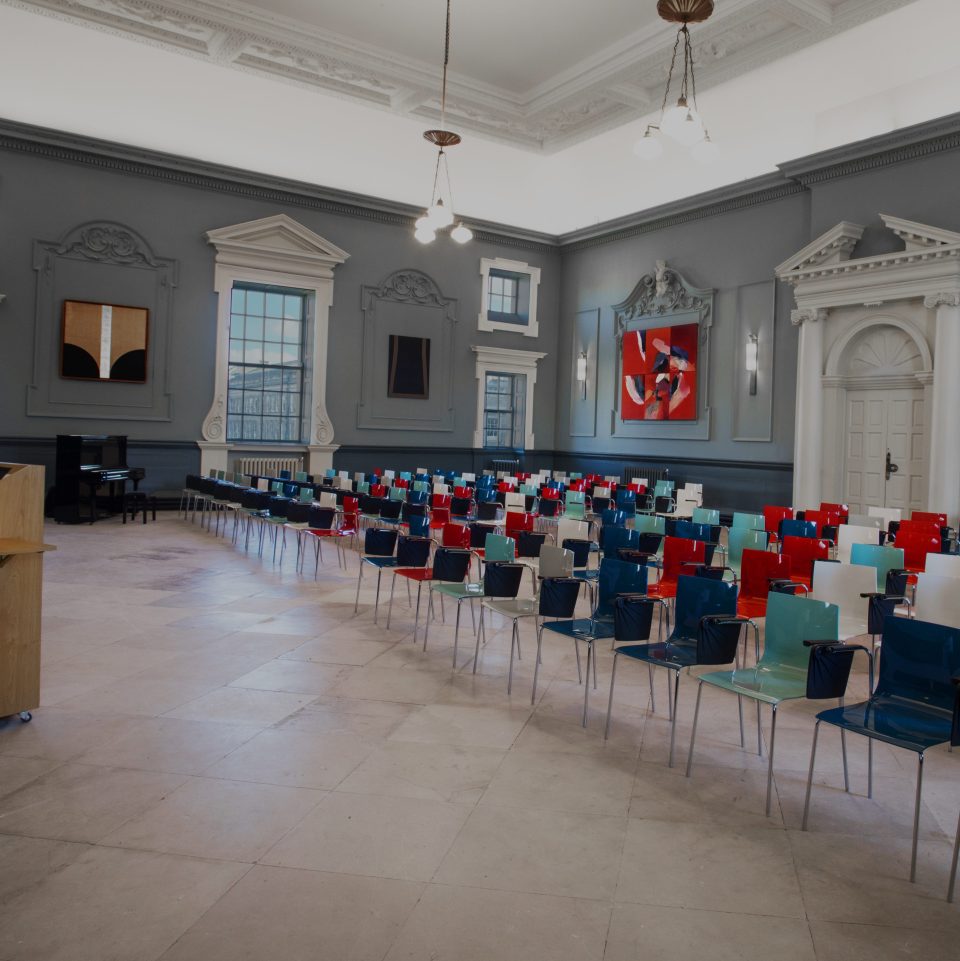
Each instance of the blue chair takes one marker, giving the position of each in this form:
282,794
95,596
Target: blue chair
627,501
611,517
419,525
614,578
614,538
706,631
790,527
379,544
698,532
781,674
914,706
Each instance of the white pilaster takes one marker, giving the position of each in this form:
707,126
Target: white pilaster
808,444
944,489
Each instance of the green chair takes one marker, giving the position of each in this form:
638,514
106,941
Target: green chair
306,495
363,487
706,515
301,476
781,674
398,493
498,548
740,539
750,521
884,559
650,524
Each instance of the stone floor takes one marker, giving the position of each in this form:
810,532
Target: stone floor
229,764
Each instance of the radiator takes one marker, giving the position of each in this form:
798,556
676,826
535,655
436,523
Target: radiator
268,466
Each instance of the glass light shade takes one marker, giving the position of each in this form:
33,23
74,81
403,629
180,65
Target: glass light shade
439,216
461,234
648,147
705,151
422,223
425,235
751,358
683,124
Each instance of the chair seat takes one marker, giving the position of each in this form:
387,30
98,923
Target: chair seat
460,591
584,628
296,525
901,723
852,627
752,607
663,589
322,531
512,607
584,575
415,573
670,654
762,684
381,562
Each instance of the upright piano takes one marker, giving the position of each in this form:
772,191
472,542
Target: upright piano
85,464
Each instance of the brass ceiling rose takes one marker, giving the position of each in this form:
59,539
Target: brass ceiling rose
685,11
442,138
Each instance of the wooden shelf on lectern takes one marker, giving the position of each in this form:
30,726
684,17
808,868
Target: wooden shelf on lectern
21,585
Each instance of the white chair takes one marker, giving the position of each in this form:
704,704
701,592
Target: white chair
865,520
842,584
943,565
850,534
686,503
568,528
937,600
469,477
516,501
554,562
886,514
442,489
327,499
388,475
601,492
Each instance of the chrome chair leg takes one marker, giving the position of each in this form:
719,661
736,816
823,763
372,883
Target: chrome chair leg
393,585
481,632
916,820
673,725
773,736
536,666
426,627
693,732
356,604
613,676
456,636
586,684
576,647
743,742
653,696
514,640
870,767
843,751
813,755
669,703
759,733
953,867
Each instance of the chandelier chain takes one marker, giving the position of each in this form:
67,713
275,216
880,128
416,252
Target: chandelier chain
673,63
446,60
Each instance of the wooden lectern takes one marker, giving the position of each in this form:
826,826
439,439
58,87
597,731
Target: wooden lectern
21,583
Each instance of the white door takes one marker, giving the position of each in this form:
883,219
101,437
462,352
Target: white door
885,426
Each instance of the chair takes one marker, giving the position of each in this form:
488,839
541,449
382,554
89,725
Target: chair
914,705
461,508
449,566
781,674
943,565
916,544
554,562
650,524
690,531
569,528
501,580
706,515
613,539
797,528
626,501
418,525
750,521
930,517
498,548
772,516
803,551
378,547
845,585
881,559
676,553
611,517
706,631
390,510
740,539
937,600
848,535
758,570
615,578
517,522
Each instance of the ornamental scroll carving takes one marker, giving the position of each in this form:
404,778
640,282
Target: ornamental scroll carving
660,294
410,286
107,242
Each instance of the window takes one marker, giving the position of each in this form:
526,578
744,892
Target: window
265,376
509,296
503,410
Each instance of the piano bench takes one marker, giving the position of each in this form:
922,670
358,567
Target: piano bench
134,501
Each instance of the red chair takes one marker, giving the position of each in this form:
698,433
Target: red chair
580,486
757,570
802,552
677,552
823,519
771,520
504,488
462,492
916,543
930,517
455,535
378,490
550,493
516,522
441,501
840,509
402,483
439,518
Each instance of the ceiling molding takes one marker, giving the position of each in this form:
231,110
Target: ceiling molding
612,87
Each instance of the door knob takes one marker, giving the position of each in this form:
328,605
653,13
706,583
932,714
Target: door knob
891,467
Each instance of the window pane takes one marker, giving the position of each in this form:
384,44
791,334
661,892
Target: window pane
274,305
271,402
234,401
251,428
293,307
291,429
236,351
273,329
254,328
251,402
236,324
234,426
291,353
291,380
253,353
291,331
271,428
272,378
255,302
236,300
272,353
290,404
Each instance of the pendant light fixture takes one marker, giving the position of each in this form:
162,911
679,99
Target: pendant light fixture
439,215
681,120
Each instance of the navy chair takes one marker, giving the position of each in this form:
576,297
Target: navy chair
706,631
698,532
614,538
611,517
914,706
627,501
797,528
379,544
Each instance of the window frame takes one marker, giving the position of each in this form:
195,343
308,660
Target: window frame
503,360
524,319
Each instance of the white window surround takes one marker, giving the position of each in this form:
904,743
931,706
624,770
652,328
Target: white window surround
531,328
503,360
275,251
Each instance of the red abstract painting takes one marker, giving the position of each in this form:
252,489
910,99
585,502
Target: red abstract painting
659,373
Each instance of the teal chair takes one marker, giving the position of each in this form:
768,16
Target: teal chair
398,493
706,515
664,488
750,521
421,486
740,539
498,548
781,674
650,524
306,495
884,559
575,505
363,487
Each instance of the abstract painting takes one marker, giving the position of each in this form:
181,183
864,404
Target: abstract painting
408,367
104,342
659,373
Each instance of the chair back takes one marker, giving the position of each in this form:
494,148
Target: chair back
502,579
417,497
795,528
919,658
650,524
693,532
772,516
750,521
327,499
390,510
549,507
555,562
496,547
488,511
792,620
450,565
842,584
419,525
848,535
803,551
930,517
706,515
529,544
881,559
440,500
380,541
618,577
943,565
322,518
306,495
823,520
558,597
916,545
740,539
517,521
456,536
613,539
650,544
937,600
664,488
413,551
757,569
676,553
611,517
580,550
515,499
461,507
568,527
698,597
298,513
576,510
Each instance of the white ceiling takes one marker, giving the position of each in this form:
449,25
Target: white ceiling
887,72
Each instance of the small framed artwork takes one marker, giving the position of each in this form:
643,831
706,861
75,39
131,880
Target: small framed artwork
105,342
408,367
659,370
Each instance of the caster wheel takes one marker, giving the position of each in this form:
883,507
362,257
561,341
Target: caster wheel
26,716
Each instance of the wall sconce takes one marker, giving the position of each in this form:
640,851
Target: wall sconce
751,362
582,374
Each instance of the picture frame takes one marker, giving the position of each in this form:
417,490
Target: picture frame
104,342
408,367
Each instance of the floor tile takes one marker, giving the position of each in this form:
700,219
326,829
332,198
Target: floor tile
297,677
237,705
390,684
15,772
870,942
452,724
28,862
